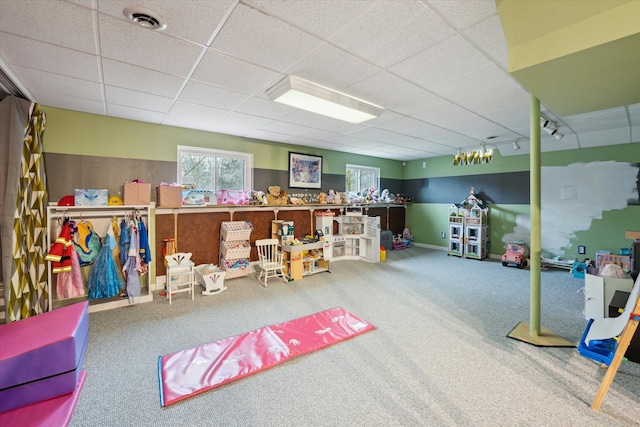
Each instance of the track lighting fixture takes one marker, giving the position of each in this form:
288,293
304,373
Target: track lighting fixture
551,128
516,146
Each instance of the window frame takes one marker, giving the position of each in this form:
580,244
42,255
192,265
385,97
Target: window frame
360,168
216,153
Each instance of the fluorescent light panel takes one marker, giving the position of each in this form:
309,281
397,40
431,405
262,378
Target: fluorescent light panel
303,94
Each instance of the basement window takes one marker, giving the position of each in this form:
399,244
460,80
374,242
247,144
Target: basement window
206,170
361,178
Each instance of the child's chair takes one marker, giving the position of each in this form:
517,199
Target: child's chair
181,276
270,262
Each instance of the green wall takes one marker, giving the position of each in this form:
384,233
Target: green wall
70,132
427,220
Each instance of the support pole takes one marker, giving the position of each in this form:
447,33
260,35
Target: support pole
534,203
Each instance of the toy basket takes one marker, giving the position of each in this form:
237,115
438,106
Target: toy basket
234,267
236,230
233,249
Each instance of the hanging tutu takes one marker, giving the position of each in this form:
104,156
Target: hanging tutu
105,281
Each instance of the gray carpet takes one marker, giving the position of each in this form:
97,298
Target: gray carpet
440,355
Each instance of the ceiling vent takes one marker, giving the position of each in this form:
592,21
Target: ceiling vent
145,18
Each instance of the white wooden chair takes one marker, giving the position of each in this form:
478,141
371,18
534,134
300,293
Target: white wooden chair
181,275
270,263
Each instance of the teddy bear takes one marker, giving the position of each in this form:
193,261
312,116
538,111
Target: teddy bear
276,196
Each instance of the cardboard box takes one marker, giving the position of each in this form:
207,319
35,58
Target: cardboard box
633,234
137,193
91,197
169,196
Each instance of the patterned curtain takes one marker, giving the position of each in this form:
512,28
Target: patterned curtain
26,290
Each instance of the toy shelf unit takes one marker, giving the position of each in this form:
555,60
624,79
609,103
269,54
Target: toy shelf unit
305,259
361,236
468,228
282,230
235,248
100,218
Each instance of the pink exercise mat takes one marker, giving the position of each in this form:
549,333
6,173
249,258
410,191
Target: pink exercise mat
196,370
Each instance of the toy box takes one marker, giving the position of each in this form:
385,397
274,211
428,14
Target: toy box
169,196
137,193
41,357
232,197
91,197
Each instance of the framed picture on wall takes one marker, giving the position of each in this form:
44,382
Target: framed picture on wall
305,171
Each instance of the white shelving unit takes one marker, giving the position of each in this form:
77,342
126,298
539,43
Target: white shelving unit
361,235
100,217
235,248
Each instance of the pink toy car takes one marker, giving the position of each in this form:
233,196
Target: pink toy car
517,253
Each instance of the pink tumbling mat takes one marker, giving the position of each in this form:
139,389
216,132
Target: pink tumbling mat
56,411
196,370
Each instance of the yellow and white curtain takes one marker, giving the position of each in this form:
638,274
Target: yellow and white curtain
23,213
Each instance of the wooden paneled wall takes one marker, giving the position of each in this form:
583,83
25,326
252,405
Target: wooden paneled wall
197,230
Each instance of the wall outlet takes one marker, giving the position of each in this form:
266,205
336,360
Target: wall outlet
582,249
443,235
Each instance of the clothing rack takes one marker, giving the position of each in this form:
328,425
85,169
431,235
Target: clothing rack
55,214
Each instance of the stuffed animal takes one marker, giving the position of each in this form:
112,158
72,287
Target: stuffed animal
276,196
322,198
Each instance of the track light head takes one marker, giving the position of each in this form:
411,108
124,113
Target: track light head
516,146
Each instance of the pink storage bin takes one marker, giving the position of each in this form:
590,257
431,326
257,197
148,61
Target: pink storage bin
232,197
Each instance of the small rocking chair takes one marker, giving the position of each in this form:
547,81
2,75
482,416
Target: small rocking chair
270,263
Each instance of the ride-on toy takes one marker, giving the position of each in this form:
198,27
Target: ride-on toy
517,253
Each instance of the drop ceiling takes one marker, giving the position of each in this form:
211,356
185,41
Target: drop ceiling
439,68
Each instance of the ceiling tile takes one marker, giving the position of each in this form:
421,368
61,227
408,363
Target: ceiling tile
230,73
141,79
56,83
392,93
284,128
212,96
70,102
54,22
185,114
123,41
135,114
265,108
46,57
266,41
134,99
408,126
604,137
320,18
463,13
235,121
381,135
432,66
634,114
193,20
392,31
485,89
319,67
489,37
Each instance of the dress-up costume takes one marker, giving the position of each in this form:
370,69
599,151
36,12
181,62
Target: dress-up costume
60,251
132,266
70,284
105,281
88,243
